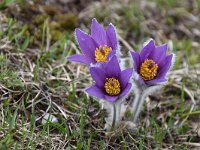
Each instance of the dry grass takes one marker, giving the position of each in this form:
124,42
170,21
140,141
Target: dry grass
36,79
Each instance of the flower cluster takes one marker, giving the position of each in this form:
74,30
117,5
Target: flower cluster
100,52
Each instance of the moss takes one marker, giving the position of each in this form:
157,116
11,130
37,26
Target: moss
67,21
50,10
54,25
56,35
35,14
39,19
28,10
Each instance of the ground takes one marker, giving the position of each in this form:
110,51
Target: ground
36,79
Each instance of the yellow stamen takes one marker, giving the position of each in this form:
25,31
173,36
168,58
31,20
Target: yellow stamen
148,69
101,53
112,86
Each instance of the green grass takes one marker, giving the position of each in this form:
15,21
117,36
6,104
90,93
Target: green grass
36,78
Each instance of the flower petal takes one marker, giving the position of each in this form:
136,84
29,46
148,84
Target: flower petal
95,91
98,33
112,38
126,90
136,60
166,66
147,50
125,76
86,43
80,58
159,54
111,98
98,75
156,81
141,81
113,68
110,55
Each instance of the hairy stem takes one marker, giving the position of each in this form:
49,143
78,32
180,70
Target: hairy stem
114,116
135,103
139,106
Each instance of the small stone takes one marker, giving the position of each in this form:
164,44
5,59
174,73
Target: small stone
49,118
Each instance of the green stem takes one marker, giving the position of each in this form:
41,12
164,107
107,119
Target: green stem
190,113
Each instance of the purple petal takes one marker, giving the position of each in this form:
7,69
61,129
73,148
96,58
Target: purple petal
80,58
156,81
98,75
111,98
166,66
159,54
112,68
110,55
147,50
98,33
125,76
95,91
86,43
136,60
111,35
99,65
126,90
140,80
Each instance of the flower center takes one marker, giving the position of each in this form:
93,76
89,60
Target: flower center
101,53
148,69
112,86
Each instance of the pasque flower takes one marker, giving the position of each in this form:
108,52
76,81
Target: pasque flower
111,83
152,63
151,66
98,47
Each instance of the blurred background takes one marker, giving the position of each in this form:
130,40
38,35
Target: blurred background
36,80
171,21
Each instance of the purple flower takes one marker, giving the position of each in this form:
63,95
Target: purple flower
111,83
152,63
98,47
